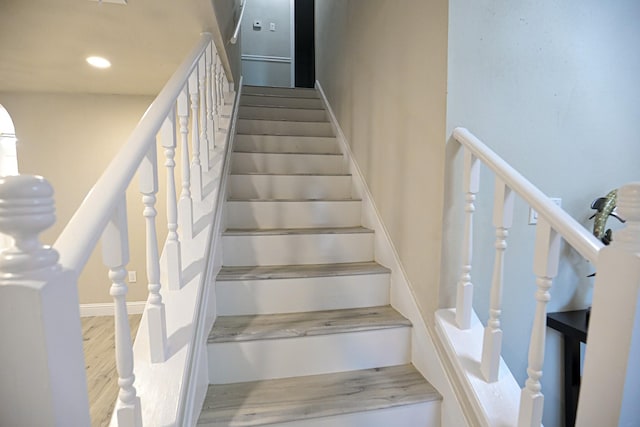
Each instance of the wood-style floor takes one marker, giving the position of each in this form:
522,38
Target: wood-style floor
99,357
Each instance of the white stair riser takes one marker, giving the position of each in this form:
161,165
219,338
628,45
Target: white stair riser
271,296
225,110
280,91
224,122
303,214
426,414
274,127
286,163
289,357
288,249
281,113
286,144
289,187
257,100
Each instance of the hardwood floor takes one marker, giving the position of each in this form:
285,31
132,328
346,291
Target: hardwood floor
99,356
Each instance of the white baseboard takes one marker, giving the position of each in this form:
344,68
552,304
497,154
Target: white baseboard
106,309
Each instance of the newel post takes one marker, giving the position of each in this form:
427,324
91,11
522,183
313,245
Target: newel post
611,382
42,371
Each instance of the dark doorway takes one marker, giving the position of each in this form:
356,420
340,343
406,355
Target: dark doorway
305,43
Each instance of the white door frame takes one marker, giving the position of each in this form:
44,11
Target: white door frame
293,42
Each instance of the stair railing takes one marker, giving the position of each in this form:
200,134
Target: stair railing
38,284
620,270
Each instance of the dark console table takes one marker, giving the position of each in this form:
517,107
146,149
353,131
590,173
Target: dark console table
573,327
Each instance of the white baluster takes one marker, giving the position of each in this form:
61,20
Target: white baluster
156,319
610,383
219,86
214,91
196,167
211,108
204,135
464,296
115,255
172,250
545,267
502,220
41,357
185,204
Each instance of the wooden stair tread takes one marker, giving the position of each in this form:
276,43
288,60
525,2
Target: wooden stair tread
280,95
295,200
291,174
259,272
284,120
284,107
286,153
289,399
291,325
290,231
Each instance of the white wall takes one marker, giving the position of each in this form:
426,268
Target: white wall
267,55
553,88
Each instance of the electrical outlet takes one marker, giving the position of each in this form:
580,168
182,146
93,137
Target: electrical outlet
533,215
272,26
133,277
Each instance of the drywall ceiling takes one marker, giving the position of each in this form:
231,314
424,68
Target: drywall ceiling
44,43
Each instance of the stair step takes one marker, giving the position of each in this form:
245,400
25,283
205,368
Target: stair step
282,113
293,213
320,398
279,91
286,246
286,144
306,324
290,186
298,288
257,272
256,347
284,127
285,163
281,101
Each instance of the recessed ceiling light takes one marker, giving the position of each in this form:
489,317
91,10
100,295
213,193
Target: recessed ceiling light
98,62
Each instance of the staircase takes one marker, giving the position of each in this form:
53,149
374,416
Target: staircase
305,335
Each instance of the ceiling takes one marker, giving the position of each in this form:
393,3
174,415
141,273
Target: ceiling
44,43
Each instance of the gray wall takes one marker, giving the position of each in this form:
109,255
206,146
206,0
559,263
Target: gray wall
70,139
227,13
266,54
382,64
553,88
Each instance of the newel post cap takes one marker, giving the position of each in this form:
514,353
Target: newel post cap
26,210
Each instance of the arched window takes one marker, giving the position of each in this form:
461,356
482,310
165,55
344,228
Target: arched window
8,156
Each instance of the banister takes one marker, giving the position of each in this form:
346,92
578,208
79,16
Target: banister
234,39
571,230
83,231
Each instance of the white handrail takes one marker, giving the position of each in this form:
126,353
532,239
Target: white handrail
83,231
570,229
234,39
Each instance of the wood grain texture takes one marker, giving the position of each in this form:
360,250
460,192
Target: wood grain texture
258,272
290,231
99,354
278,401
273,326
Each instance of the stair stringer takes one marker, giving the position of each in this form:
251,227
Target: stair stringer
196,374
428,354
